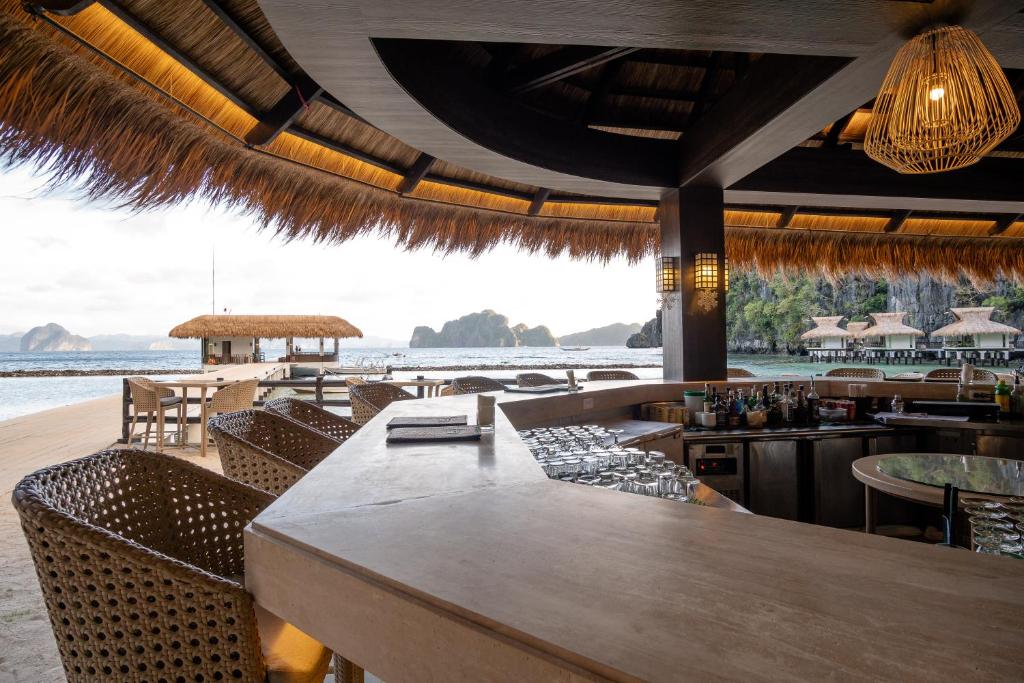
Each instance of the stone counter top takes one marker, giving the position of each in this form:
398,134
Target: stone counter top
463,562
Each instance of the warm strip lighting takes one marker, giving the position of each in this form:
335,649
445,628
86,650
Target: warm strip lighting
944,104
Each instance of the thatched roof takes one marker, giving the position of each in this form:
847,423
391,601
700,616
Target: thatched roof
266,327
890,323
974,321
106,109
827,327
856,330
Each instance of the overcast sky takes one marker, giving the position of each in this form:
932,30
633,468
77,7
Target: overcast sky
98,270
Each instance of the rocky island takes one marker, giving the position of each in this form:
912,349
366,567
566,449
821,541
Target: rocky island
50,338
483,329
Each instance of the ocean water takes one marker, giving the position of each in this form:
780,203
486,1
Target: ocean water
24,395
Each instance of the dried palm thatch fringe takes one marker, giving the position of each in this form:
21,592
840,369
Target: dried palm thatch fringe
266,327
92,128
835,253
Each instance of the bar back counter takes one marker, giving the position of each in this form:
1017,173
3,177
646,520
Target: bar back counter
462,561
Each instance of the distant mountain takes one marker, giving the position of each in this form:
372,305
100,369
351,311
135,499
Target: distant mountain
615,334
52,337
483,329
140,342
11,342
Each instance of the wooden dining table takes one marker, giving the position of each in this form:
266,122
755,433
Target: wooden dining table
203,385
432,386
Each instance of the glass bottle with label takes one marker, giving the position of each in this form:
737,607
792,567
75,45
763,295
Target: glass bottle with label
813,401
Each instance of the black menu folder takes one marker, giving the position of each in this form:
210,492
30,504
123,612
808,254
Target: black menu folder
452,433
427,421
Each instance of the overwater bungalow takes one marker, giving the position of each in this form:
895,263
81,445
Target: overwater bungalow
855,346
973,336
889,339
827,341
489,538
235,339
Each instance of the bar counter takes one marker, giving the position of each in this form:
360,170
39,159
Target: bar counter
463,562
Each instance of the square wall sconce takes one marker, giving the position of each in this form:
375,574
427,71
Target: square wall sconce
706,271
668,274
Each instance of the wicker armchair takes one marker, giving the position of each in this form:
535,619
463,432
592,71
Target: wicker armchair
267,450
370,399
151,399
229,399
738,372
139,557
314,417
475,385
856,373
604,375
953,375
534,379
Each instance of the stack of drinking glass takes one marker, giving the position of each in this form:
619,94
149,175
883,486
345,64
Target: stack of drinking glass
996,526
590,455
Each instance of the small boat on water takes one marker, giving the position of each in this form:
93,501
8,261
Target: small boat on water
575,348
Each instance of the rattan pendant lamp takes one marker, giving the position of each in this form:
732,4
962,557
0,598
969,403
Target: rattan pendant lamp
944,104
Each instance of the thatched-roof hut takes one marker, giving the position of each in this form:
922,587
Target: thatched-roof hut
236,338
826,331
890,333
974,329
149,104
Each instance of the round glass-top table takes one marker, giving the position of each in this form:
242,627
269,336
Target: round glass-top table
975,473
920,477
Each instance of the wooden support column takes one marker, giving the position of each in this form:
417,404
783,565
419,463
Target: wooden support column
692,222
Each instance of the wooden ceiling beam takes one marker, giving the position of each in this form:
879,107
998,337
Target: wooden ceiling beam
63,8
601,90
539,198
708,84
787,216
832,137
807,177
287,109
1003,224
417,172
898,220
559,65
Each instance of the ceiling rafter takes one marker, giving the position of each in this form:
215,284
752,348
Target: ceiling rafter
603,88
837,128
708,85
539,198
786,217
898,220
1003,224
559,65
297,100
417,172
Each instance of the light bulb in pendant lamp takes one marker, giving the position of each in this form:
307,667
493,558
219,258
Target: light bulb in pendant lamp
944,104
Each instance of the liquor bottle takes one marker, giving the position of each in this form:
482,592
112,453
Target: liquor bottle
741,408
734,411
787,407
813,401
709,404
721,412
800,419
1017,398
762,401
775,408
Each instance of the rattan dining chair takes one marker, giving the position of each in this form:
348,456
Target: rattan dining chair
856,373
980,375
371,398
738,372
534,379
267,450
140,560
228,399
474,384
150,399
314,417
605,375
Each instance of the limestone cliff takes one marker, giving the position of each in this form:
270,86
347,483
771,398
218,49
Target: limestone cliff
52,337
